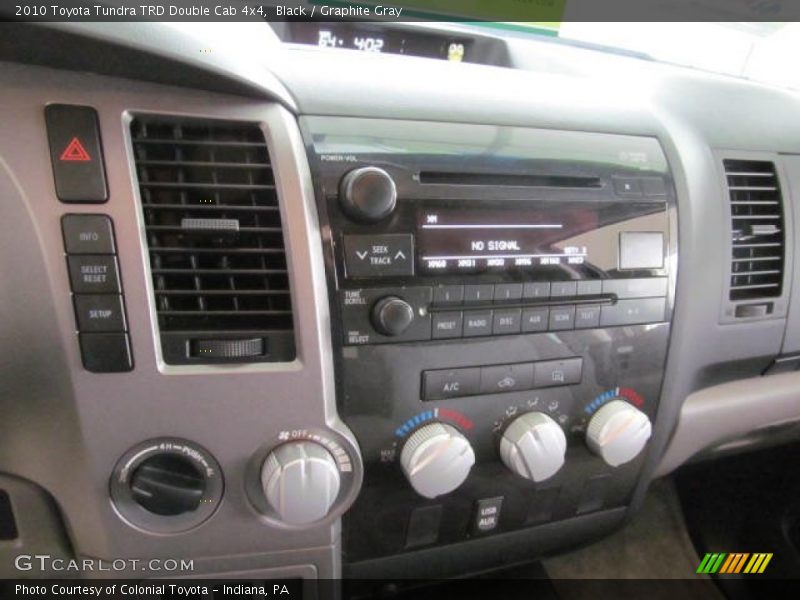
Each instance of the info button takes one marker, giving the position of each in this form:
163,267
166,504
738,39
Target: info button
450,383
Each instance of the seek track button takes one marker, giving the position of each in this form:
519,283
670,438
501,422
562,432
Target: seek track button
389,255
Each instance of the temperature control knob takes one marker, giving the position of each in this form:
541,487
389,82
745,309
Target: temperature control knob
436,459
301,482
392,315
533,446
618,432
368,194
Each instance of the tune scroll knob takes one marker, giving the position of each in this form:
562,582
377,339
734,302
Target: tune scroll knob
618,432
533,446
368,194
300,481
436,459
391,315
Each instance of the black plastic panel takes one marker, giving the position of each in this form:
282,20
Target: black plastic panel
8,526
599,188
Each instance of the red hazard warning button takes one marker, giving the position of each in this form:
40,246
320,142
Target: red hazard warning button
76,153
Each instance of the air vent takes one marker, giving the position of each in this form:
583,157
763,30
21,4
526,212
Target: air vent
757,226
215,240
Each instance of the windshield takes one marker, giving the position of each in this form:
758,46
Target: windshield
765,52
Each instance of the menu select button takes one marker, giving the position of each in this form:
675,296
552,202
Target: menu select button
96,274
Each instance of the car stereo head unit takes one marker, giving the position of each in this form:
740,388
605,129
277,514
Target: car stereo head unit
491,286
563,218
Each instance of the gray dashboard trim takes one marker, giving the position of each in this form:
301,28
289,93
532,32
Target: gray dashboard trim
791,170
721,413
63,427
692,114
150,51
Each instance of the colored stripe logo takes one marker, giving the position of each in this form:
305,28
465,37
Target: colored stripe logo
734,563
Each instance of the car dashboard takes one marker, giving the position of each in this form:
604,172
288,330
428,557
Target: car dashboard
310,313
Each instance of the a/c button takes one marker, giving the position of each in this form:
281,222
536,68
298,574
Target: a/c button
450,383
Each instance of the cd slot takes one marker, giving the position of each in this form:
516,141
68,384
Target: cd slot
509,180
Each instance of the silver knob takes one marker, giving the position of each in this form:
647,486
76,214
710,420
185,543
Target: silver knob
301,482
533,446
436,459
618,432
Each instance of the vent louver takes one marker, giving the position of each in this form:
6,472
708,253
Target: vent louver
215,239
757,225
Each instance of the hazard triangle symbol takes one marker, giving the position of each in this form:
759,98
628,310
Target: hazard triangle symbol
75,152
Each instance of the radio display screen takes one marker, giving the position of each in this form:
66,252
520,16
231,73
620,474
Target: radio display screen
566,236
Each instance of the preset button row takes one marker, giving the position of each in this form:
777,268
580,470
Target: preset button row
475,323
642,287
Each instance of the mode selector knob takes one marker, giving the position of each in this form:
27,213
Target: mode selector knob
301,482
392,315
436,459
533,446
618,432
368,194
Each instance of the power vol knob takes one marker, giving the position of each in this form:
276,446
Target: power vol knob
436,459
368,194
